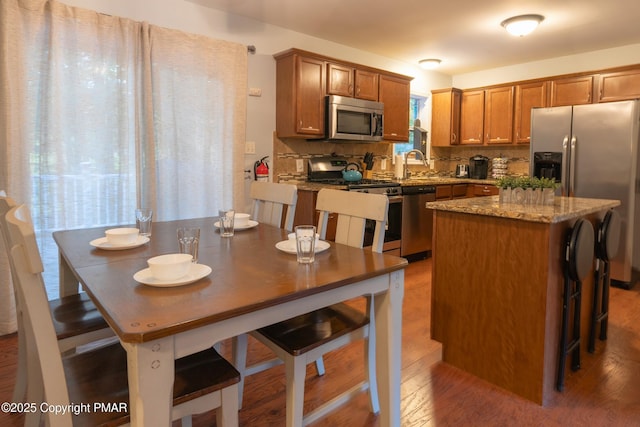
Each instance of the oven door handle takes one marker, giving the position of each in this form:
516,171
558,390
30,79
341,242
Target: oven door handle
395,199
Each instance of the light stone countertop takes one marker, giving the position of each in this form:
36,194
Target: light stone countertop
316,186
563,208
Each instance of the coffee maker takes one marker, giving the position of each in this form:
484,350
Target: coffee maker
478,167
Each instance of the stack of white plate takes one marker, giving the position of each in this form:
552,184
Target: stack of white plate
499,166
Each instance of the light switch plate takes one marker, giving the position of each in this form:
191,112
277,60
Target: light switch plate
250,147
255,91
299,165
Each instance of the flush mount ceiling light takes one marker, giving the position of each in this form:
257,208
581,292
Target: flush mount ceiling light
522,25
429,64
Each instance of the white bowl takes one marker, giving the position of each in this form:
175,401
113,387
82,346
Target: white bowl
170,266
241,220
122,236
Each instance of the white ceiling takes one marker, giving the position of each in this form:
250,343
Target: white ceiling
465,34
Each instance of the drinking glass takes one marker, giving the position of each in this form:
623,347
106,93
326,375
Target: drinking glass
143,221
188,241
226,222
306,243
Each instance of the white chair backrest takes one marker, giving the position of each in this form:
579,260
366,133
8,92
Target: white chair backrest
6,203
270,199
41,337
353,209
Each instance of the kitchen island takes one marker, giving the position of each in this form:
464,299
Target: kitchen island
497,286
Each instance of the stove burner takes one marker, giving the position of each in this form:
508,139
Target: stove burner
365,185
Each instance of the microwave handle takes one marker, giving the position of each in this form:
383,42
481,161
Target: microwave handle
376,123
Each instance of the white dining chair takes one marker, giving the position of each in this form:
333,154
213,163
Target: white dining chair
76,319
273,204
271,200
304,339
203,381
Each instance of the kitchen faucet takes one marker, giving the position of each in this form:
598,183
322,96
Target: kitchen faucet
405,172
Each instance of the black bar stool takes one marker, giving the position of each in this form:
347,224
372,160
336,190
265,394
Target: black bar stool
578,262
607,244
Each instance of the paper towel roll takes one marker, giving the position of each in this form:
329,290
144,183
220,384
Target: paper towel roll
399,167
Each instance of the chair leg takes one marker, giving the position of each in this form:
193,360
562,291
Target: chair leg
604,322
239,349
20,387
562,356
370,366
227,413
594,308
296,372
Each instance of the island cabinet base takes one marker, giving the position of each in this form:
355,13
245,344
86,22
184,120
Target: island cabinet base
497,299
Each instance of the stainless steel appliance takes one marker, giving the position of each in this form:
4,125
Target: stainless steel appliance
478,167
328,170
352,119
417,221
462,171
593,151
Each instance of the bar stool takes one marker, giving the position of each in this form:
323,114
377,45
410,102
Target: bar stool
607,244
579,249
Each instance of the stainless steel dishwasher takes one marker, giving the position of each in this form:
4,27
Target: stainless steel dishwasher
417,220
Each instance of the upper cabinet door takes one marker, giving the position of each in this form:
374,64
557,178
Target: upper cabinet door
619,86
394,94
571,91
366,85
498,115
528,96
445,117
340,80
310,97
472,117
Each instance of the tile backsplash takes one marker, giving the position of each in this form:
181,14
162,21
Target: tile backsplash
288,151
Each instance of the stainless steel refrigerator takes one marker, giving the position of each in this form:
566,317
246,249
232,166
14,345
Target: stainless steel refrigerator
593,151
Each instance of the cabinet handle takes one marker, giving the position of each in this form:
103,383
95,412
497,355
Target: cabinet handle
454,137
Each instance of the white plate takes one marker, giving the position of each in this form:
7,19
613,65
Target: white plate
102,243
251,224
289,246
197,272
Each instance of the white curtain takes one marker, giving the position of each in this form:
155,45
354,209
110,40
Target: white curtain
99,114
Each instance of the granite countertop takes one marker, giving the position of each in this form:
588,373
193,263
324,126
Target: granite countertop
563,208
316,186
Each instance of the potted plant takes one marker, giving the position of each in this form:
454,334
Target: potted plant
525,189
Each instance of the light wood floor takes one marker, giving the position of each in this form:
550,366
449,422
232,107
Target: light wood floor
605,392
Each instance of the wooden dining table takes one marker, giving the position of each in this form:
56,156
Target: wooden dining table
252,284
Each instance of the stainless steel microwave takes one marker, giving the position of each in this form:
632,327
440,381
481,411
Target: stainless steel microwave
352,119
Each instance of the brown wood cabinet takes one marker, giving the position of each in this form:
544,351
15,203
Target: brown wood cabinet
528,96
472,117
445,117
481,190
344,80
304,79
394,93
571,91
300,92
498,115
619,86
451,191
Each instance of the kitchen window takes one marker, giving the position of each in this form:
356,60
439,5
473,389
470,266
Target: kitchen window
418,110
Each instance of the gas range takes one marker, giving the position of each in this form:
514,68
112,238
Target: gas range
328,171
373,186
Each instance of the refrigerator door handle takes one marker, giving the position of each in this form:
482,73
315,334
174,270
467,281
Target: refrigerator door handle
564,178
572,167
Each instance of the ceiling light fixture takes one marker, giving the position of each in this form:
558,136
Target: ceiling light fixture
429,64
522,25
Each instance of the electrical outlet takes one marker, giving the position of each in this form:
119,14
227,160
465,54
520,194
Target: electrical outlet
249,147
255,91
299,165
383,164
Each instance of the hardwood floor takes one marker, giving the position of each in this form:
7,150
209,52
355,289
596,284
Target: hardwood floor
605,391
